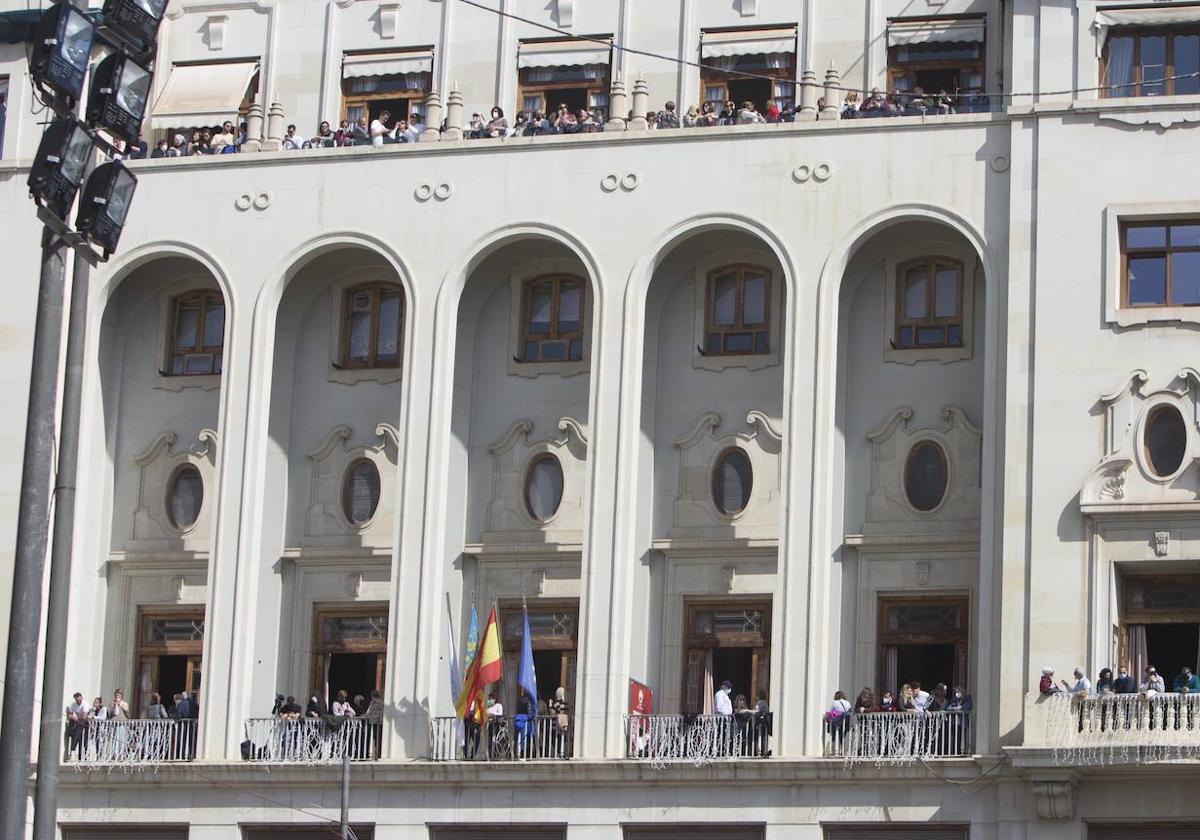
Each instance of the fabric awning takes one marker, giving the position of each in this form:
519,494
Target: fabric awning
747,42
565,53
202,94
1163,16
387,63
902,33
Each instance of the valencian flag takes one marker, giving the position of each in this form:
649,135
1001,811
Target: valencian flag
483,670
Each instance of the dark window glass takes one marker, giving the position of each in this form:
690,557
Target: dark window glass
552,323
1152,63
1166,440
732,481
543,487
925,476
929,304
738,309
1162,264
360,492
185,495
197,334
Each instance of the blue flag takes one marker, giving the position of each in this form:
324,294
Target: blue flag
526,676
472,637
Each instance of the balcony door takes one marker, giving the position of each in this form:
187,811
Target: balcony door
349,650
1160,624
725,640
553,632
169,655
922,640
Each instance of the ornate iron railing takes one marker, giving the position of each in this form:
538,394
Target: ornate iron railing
324,740
697,739
899,737
510,738
1123,728
130,743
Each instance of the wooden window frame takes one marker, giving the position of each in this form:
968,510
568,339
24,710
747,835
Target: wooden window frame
364,100
759,643
555,334
1166,251
739,326
712,77
374,288
897,69
205,298
930,320
714,480
322,650
349,471
1138,32
148,650
594,87
960,638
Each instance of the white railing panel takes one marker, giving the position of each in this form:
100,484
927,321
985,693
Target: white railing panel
130,743
696,739
1123,728
899,737
311,740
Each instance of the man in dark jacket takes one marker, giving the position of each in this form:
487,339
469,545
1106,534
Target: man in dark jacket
1124,684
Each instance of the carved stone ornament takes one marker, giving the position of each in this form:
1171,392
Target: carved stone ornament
728,578
1054,800
889,511
923,569
325,521
696,513
564,13
158,465
1162,543
509,519
1124,481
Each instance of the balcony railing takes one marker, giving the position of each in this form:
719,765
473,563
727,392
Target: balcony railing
311,740
515,738
698,739
130,743
1124,728
899,737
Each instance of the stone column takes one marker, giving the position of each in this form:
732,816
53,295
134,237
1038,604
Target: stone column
833,94
433,118
616,107
274,141
808,96
454,112
254,129
641,102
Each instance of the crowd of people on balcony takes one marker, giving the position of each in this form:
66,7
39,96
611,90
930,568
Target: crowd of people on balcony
1151,684
540,729
85,724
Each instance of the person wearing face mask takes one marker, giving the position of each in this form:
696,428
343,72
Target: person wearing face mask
722,705
887,703
960,701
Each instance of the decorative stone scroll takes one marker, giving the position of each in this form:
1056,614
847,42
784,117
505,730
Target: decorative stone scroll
158,464
325,522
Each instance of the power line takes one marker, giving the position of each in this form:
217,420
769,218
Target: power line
683,62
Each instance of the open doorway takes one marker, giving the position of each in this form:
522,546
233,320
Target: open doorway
1160,623
922,640
553,631
725,641
169,654
349,652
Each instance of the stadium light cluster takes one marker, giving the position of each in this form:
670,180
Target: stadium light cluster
65,40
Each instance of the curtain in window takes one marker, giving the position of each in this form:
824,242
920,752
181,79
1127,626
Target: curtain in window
891,670
706,689
1119,77
724,63
1137,650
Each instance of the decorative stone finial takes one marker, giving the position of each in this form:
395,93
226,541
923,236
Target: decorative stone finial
454,112
616,106
433,118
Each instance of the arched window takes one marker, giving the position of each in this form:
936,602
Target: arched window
372,326
360,492
929,303
737,311
926,475
1165,440
552,319
197,333
185,495
543,487
732,480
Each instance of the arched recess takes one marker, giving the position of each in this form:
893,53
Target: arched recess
519,314
163,330
714,339
334,447
889,383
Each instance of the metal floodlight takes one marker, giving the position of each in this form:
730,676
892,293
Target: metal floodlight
117,97
57,171
104,204
135,21
62,47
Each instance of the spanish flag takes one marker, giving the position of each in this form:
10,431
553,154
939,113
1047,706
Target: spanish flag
483,670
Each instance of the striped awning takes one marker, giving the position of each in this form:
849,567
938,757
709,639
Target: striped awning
747,42
568,52
387,63
902,33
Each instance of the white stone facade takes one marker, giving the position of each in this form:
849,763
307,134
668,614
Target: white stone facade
1039,414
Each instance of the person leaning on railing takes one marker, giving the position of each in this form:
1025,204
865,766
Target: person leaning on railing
77,714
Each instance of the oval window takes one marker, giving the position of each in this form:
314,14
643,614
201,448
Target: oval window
360,492
543,487
1165,440
925,476
185,495
732,480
